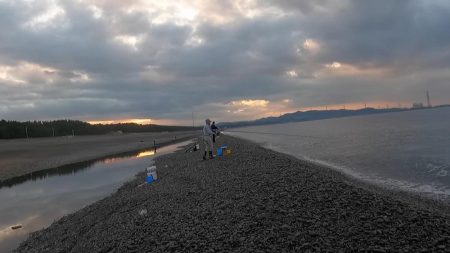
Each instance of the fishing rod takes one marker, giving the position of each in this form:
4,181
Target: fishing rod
282,134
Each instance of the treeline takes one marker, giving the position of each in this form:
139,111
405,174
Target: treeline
31,129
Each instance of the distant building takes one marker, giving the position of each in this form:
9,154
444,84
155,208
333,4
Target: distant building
417,105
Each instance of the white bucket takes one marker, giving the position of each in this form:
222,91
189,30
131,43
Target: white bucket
151,171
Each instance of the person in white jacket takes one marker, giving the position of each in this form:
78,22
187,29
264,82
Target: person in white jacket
207,139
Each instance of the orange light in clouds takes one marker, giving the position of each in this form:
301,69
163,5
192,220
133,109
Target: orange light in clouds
137,121
250,102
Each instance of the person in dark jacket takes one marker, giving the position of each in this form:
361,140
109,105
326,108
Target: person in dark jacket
214,129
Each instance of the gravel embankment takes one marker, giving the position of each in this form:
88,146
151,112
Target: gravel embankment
22,156
254,200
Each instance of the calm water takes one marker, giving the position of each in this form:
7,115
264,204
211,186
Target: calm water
36,200
407,150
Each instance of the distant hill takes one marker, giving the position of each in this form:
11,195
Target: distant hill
313,115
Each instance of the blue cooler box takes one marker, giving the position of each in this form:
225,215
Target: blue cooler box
220,150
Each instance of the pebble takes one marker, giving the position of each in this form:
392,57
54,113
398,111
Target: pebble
143,212
16,227
254,200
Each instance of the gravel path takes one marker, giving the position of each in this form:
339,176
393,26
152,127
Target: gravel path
22,156
252,201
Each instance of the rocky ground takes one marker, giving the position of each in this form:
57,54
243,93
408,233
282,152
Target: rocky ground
255,200
22,156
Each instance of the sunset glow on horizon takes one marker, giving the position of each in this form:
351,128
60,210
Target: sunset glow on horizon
107,122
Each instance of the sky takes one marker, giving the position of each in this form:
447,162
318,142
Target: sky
162,61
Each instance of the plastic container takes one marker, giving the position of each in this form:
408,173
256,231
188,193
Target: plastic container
151,174
221,150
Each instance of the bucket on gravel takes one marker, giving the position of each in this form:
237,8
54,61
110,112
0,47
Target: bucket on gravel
221,150
227,152
151,174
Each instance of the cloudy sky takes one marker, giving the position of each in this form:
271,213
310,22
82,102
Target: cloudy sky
113,60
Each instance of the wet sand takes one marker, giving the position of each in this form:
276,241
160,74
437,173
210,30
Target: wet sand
22,156
252,201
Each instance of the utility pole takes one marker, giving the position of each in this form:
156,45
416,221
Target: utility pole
193,124
428,99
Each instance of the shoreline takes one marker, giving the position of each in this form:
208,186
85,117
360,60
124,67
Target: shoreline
255,199
424,200
21,157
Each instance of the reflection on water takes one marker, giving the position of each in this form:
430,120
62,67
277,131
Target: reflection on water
37,199
146,153
74,168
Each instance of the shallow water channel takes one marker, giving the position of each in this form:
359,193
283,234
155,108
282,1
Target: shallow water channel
36,200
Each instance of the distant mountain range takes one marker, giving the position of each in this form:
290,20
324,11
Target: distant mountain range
316,115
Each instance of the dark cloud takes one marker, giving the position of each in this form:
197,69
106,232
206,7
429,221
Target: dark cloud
395,34
141,59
